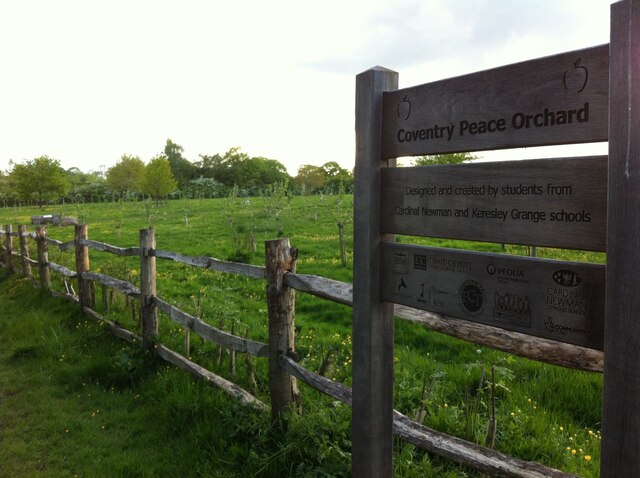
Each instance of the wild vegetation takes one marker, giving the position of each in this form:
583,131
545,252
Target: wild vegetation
75,401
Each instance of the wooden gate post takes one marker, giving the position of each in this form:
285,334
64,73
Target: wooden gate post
24,250
621,404
148,313
85,292
8,248
43,257
283,388
372,422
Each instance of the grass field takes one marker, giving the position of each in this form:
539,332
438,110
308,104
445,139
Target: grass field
75,401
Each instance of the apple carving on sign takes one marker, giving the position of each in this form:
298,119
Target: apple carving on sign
576,79
404,108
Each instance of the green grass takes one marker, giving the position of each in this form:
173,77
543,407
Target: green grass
62,378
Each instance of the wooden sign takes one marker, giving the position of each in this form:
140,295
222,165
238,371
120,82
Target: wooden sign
560,99
545,202
558,300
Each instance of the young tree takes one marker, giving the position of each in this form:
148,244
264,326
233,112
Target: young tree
158,179
42,179
126,175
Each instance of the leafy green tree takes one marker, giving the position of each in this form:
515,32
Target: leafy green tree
41,179
183,170
126,175
86,187
310,178
158,179
439,159
337,178
252,174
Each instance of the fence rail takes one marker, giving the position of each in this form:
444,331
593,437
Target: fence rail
280,277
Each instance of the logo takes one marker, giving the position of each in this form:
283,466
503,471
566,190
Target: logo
472,297
400,263
566,278
576,79
404,108
505,271
512,309
420,262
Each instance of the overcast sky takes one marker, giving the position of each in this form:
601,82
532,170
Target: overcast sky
85,82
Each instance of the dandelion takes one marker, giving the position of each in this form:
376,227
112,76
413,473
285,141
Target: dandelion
590,432
446,405
561,429
573,452
587,457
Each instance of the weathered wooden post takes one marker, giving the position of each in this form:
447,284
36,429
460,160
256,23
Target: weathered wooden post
148,291
621,407
283,388
8,248
24,250
372,422
43,257
85,293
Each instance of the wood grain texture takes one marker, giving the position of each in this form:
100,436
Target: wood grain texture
24,250
544,202
121,286
372,420
211,333
280,258
62,269
85,289
431,118
331,289
119,251
247,270
621,407
148,286
43,257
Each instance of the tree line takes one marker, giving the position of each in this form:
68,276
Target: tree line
43,180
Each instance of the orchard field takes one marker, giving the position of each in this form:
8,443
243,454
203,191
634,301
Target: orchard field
76,401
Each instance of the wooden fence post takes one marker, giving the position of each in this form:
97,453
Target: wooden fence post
8,248
85,292
372,422
148,311
43,257
621,407
24,250
283,388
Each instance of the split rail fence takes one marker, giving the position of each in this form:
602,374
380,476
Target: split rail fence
282,281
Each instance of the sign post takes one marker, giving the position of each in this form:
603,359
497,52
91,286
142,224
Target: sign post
621,403
589,203
372,419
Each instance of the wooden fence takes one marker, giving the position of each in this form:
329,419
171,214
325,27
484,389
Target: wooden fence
282,281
